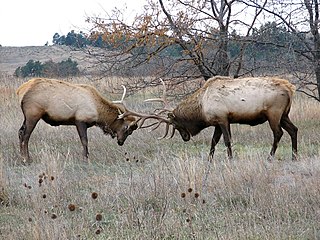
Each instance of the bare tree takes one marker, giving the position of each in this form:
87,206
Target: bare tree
301,19
181,39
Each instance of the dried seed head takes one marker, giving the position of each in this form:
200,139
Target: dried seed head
53,216
72,207
98,231
30,219
52,178
94,195
183,195
98,217
44,196
40,180
189,189
196,195
188,220
203,201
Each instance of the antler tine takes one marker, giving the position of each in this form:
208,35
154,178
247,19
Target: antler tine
143,118
123,95
166,132
150,125
164,93
132,113
173,131
164,96
161,110
153,116
155,123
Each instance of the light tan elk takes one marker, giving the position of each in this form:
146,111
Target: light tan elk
223,101
62,103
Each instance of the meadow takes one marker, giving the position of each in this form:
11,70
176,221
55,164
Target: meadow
158,189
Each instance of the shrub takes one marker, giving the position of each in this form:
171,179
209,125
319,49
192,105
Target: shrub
48,69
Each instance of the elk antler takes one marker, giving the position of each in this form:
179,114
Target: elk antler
159,111
123,95
164,100
143,117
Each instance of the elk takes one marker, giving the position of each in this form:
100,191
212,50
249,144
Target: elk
62,103
223,101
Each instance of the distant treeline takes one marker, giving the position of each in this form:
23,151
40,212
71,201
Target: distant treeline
258,43
48,69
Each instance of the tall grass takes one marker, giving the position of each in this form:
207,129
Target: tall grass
158,189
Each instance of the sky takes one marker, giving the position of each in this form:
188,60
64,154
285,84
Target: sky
34,22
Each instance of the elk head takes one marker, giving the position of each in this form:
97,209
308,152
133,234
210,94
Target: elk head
125,125
185,134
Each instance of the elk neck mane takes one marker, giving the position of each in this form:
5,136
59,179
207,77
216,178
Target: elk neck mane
107,111
189,112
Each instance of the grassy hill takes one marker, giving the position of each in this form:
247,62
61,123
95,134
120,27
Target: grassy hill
13,57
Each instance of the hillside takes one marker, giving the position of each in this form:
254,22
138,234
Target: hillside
13,57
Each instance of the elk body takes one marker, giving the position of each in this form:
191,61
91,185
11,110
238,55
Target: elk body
62,103
223,101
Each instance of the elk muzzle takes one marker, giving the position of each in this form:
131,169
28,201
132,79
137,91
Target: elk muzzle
125,132
184,134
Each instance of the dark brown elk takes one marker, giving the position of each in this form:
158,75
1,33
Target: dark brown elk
62,103
223,101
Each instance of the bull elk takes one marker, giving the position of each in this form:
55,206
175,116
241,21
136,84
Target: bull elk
223,101
62,103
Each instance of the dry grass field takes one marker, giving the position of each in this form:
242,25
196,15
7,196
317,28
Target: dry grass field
158,189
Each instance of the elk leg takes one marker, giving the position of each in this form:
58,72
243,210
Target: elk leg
21,134
227,138
82,131
277,134
293,132
24,136
215,139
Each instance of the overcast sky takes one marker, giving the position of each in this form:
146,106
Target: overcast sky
34,22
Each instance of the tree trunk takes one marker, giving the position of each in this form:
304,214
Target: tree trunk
317,72
222,60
